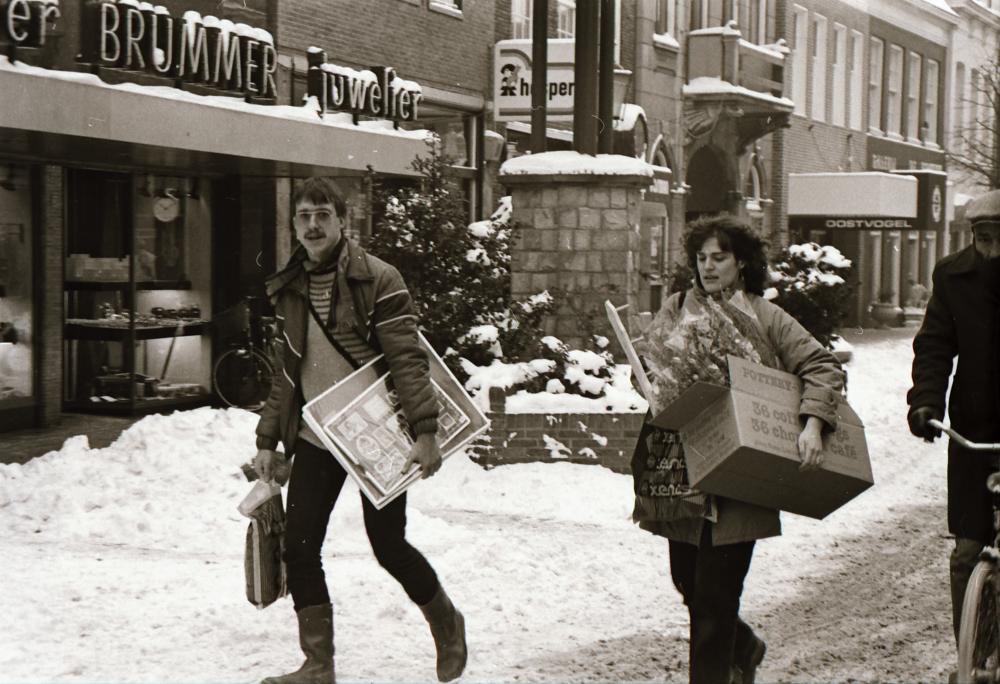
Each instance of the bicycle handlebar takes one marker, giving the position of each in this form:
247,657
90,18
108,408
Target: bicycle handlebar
972,446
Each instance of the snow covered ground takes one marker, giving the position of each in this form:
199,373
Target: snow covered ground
125,564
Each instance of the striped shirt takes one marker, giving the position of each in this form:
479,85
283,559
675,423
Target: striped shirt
321,285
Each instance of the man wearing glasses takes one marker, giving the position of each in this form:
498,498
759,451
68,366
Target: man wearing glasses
338,307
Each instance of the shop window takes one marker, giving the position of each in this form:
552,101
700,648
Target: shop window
17,322
138,292
875,65
520,19
566,19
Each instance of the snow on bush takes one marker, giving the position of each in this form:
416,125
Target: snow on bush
811,282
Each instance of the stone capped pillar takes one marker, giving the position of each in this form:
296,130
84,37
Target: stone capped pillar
579,218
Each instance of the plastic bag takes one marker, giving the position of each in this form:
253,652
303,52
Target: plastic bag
262,560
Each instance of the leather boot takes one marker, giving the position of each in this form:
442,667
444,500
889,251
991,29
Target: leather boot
748,653
316,640
448,629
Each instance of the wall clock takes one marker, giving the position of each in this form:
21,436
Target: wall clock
166,208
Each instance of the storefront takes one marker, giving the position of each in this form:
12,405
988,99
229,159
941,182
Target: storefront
140,196
890,225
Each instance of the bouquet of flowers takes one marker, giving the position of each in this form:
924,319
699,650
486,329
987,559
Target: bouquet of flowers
691,346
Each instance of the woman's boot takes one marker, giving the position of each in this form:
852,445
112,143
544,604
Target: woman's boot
316,640
448,630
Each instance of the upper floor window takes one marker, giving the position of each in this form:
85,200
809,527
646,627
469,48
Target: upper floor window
751,16
451,6
840,75
818,91
894,115
875,65
856,79
914,62
931,76
520,19
566,19
960,109
800,58
666,12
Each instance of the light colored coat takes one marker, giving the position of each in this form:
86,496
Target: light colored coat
823,381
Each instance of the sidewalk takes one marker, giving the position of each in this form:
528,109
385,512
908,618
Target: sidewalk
101,431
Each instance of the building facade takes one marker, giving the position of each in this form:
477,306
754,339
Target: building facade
147,159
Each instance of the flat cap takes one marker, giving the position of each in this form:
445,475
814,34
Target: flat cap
986,207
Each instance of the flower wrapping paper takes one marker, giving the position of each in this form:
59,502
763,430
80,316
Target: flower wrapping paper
691,346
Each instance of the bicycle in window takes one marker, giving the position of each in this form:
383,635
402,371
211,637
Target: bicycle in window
979,631
243,374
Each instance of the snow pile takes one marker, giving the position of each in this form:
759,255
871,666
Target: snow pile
167,482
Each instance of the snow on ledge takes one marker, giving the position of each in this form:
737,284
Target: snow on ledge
711,85
568,162
308,112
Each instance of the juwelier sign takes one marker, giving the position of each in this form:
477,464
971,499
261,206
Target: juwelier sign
374,92
512,74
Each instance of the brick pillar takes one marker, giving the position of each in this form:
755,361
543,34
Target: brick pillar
580,241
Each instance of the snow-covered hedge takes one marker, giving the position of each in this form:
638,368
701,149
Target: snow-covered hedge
811,282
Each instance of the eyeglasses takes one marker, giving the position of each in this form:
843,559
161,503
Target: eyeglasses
304,218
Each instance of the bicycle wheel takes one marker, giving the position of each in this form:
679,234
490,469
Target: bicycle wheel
242,378
978,642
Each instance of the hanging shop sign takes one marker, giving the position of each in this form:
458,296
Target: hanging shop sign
374,92
136,36
513,72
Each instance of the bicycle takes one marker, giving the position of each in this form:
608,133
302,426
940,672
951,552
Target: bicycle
243,374
979,631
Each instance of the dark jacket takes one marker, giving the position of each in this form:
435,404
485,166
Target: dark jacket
371,298
961,320
823,381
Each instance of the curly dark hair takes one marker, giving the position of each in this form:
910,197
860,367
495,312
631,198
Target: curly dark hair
736,236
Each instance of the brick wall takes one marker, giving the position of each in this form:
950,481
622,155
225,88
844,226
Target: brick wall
430,47
605,439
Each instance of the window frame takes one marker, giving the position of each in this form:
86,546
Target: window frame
914,63
855,117
840,86
800,58
876,83
517,19
894,91
562,8
931,105
818,65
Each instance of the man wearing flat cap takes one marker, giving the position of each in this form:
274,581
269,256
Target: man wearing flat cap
962,320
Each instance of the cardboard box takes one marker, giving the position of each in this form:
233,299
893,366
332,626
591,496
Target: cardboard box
742,443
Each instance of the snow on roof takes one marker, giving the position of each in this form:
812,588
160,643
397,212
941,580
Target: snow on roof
711,85
942,5
630,114
309,111
961,199
572,162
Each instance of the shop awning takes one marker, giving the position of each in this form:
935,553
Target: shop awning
75,119
852,194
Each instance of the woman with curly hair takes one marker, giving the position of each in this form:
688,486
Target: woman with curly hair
711,538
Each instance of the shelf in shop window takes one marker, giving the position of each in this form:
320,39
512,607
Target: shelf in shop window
106,285
78,331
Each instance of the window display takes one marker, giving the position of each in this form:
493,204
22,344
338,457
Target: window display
16,277
138,281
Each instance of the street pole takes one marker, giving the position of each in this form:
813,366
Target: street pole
585,95
606,104
539,74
